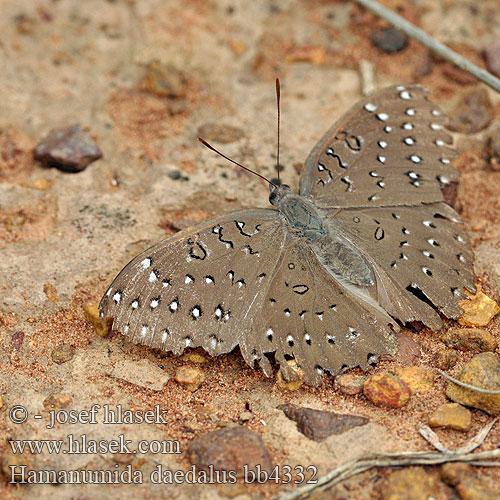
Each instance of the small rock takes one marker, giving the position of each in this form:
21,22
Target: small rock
164,80
229,449
237,46
413,483
422,66
445,359
17,340
389,40
493,151
39,184
142,373
102,326
491,55
472,488
308,53
193,357
189,377
453,472
50,290
350,384
451,416
470,339
409,351
386,389
479,309
483,371
245,416
70,149
16,460
290,376
62,353
317,424
57,402
218,132
175,174
419,379
1,402
472,113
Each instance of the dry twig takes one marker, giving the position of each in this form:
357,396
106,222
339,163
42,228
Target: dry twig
430,42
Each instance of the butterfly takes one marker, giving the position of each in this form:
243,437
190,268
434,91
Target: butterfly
324,276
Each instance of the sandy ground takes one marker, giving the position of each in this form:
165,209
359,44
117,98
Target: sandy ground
63,237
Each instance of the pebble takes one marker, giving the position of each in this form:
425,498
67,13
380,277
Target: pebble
493,151
479,309
62,353
445,359
472,113
51,292
453,472
164,80
318,424
474,340
467,485
483,370
389,40
229,449
409,351
293,378
142,373
386,389
57,402
193,357
102,326
451,416
472,488
309,53
189,377
17,340
218,132
69,149
417,378
237,46
413,483
10,459
350,384
491,55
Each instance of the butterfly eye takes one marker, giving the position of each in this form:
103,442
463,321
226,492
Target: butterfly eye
273,196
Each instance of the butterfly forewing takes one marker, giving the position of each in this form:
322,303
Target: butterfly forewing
389,149
203,287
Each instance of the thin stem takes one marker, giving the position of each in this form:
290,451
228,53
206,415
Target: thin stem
430,42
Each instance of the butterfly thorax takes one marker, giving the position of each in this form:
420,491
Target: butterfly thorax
333,248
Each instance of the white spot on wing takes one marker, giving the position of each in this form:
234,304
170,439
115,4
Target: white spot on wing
146,263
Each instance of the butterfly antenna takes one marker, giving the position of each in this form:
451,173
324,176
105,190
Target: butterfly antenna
278,93
205,143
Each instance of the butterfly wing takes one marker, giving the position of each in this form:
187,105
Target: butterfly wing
389,149
202,287
308,315
420,255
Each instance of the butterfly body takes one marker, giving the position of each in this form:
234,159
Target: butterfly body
325,275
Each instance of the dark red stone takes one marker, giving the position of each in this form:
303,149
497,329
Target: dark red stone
317,424
70,149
